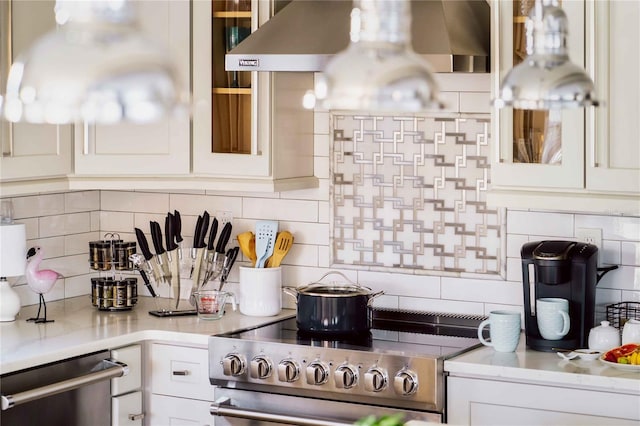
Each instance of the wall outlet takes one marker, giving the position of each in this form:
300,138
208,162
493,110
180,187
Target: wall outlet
590,236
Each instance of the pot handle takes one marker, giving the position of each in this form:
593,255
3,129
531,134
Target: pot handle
291,291
373,296
338,273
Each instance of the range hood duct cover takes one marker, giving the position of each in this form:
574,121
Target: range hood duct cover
453,35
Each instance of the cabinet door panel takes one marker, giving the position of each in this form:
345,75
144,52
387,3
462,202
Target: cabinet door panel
614,129
166,410
508,170
158,148
126,410
29,150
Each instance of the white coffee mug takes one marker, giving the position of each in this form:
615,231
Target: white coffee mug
552,316
260,291
631,332
504,331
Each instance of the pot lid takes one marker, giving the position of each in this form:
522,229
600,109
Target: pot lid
331,290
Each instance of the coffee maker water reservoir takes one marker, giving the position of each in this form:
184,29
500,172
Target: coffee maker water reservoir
565,270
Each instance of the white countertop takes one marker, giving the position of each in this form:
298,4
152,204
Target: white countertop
79,328
525,365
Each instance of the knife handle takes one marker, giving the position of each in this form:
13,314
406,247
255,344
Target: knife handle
177,226
147,283
212,234
143,243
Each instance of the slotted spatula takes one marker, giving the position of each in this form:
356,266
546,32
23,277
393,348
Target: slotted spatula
266,231
284,241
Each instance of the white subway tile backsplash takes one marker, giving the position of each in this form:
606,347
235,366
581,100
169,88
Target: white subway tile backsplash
464,82
116,221
623,278
321,167
76,244
321,144
51,247
37,205
494,291
630,253
302,255
95,221
451,101
514,269
74,223
145,202
609,253
557,225
401,284
81,201
196,204
321,123
613,227
515,243
78,286
292,210
475,102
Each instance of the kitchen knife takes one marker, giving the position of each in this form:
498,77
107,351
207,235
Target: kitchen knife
144,267
200,246
194,246
210,253
172,255
144,248
229,260
161,254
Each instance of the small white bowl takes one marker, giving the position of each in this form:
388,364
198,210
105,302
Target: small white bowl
588,354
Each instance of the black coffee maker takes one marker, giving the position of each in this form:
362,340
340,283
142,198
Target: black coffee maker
562,269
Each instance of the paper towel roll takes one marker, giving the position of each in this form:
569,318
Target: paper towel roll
13,249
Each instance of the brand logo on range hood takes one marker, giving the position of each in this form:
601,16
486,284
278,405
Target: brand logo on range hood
249,63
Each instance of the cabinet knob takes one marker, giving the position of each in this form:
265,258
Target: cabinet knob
181,372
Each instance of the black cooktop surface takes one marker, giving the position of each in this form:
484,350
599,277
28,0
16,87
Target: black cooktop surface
409,333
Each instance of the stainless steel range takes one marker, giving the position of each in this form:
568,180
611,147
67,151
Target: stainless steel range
275,374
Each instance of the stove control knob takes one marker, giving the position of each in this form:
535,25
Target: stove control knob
233,365
288,370
317,373
260,367
375,379
405,382
346,376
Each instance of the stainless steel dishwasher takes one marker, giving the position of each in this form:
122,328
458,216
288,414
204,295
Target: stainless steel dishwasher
75,391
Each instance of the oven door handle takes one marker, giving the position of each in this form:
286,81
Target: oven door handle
105,370
222,407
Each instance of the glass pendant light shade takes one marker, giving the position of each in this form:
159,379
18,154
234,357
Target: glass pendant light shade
96,67
546,78
379,70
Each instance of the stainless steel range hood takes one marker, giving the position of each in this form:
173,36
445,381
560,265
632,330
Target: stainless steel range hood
453,35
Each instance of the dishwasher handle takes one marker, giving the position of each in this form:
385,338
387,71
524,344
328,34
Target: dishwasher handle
222,407
107,369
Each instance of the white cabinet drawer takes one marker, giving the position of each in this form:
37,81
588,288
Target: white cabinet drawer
168,410
132,356
180,371
126,410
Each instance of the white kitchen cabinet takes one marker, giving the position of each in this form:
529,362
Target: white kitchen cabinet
25,145
473,401
126,391
599,170
167,410
180,392
255,137
160,148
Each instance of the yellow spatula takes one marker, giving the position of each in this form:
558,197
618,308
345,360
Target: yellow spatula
284,241
247,243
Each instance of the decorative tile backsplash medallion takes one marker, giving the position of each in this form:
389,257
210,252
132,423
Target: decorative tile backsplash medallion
409,193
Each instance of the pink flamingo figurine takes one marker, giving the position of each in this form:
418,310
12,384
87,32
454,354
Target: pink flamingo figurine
40,281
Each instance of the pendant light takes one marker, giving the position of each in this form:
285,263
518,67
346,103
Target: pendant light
546,78
378,71
96,67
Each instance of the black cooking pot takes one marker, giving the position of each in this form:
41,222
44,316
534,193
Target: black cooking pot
333,308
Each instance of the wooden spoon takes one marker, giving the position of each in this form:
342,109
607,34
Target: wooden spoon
247,243
284,241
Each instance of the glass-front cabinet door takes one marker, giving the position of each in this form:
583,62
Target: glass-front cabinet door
25,144
541,149
250,131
